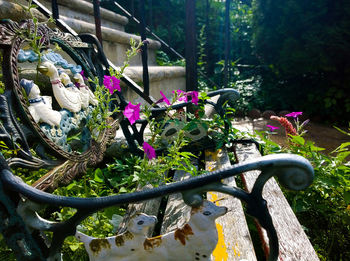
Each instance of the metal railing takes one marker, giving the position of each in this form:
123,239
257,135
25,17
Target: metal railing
66,28
163,43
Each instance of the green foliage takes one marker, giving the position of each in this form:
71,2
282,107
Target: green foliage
326,201
305,52
163,59
118,177
34,39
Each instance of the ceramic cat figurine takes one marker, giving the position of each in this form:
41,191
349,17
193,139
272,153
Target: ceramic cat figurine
118,247
196,240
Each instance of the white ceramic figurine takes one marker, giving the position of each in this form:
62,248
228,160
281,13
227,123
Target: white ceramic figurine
119,247
84,97
196,240
41,107
78,78
66,98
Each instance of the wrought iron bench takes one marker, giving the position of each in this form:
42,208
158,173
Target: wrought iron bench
30,144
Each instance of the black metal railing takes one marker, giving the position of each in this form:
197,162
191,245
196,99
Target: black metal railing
66,28
164,44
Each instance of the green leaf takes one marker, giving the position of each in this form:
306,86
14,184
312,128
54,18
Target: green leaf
343,145
190,126
299,140
70,186
123,190
315,148
344,132
74,246
110,212
135,178
115,221
347,197
98,177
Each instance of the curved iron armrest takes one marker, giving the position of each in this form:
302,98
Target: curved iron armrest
135,136
293,172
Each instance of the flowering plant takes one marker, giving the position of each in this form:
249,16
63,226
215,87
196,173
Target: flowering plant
105,94
288,126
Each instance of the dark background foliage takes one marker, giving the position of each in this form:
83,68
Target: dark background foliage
305,49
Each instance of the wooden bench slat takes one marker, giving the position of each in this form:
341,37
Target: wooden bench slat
234,238
293,242
149,207
177,213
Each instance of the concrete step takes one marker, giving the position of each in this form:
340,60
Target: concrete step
79,15
162,78
83,11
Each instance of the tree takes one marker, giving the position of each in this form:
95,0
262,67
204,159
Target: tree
305,47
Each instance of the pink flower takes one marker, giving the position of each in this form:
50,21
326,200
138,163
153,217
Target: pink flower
272,128
149,150
163,99
194,97
132,112
82,74
182,96
42,40
294,114
111,83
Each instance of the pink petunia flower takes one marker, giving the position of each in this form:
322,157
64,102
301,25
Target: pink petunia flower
163,99
132,112
82,74
182,96
294,114
149,150
272,128
194,97
111,83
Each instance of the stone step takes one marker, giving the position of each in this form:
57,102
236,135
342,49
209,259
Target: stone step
115,42
79,15
83,11
162,78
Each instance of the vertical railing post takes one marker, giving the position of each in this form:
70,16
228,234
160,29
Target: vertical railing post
132,8
145,75
97,16
190,48
227,42
54,7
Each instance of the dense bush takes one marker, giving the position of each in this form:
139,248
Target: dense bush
305,51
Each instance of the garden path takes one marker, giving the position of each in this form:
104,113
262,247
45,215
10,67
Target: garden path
324,136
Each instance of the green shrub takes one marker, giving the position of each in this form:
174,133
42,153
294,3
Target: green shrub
324,208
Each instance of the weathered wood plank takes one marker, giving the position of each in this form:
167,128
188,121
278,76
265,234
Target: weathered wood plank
149,207
177,213
293,242
234,238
